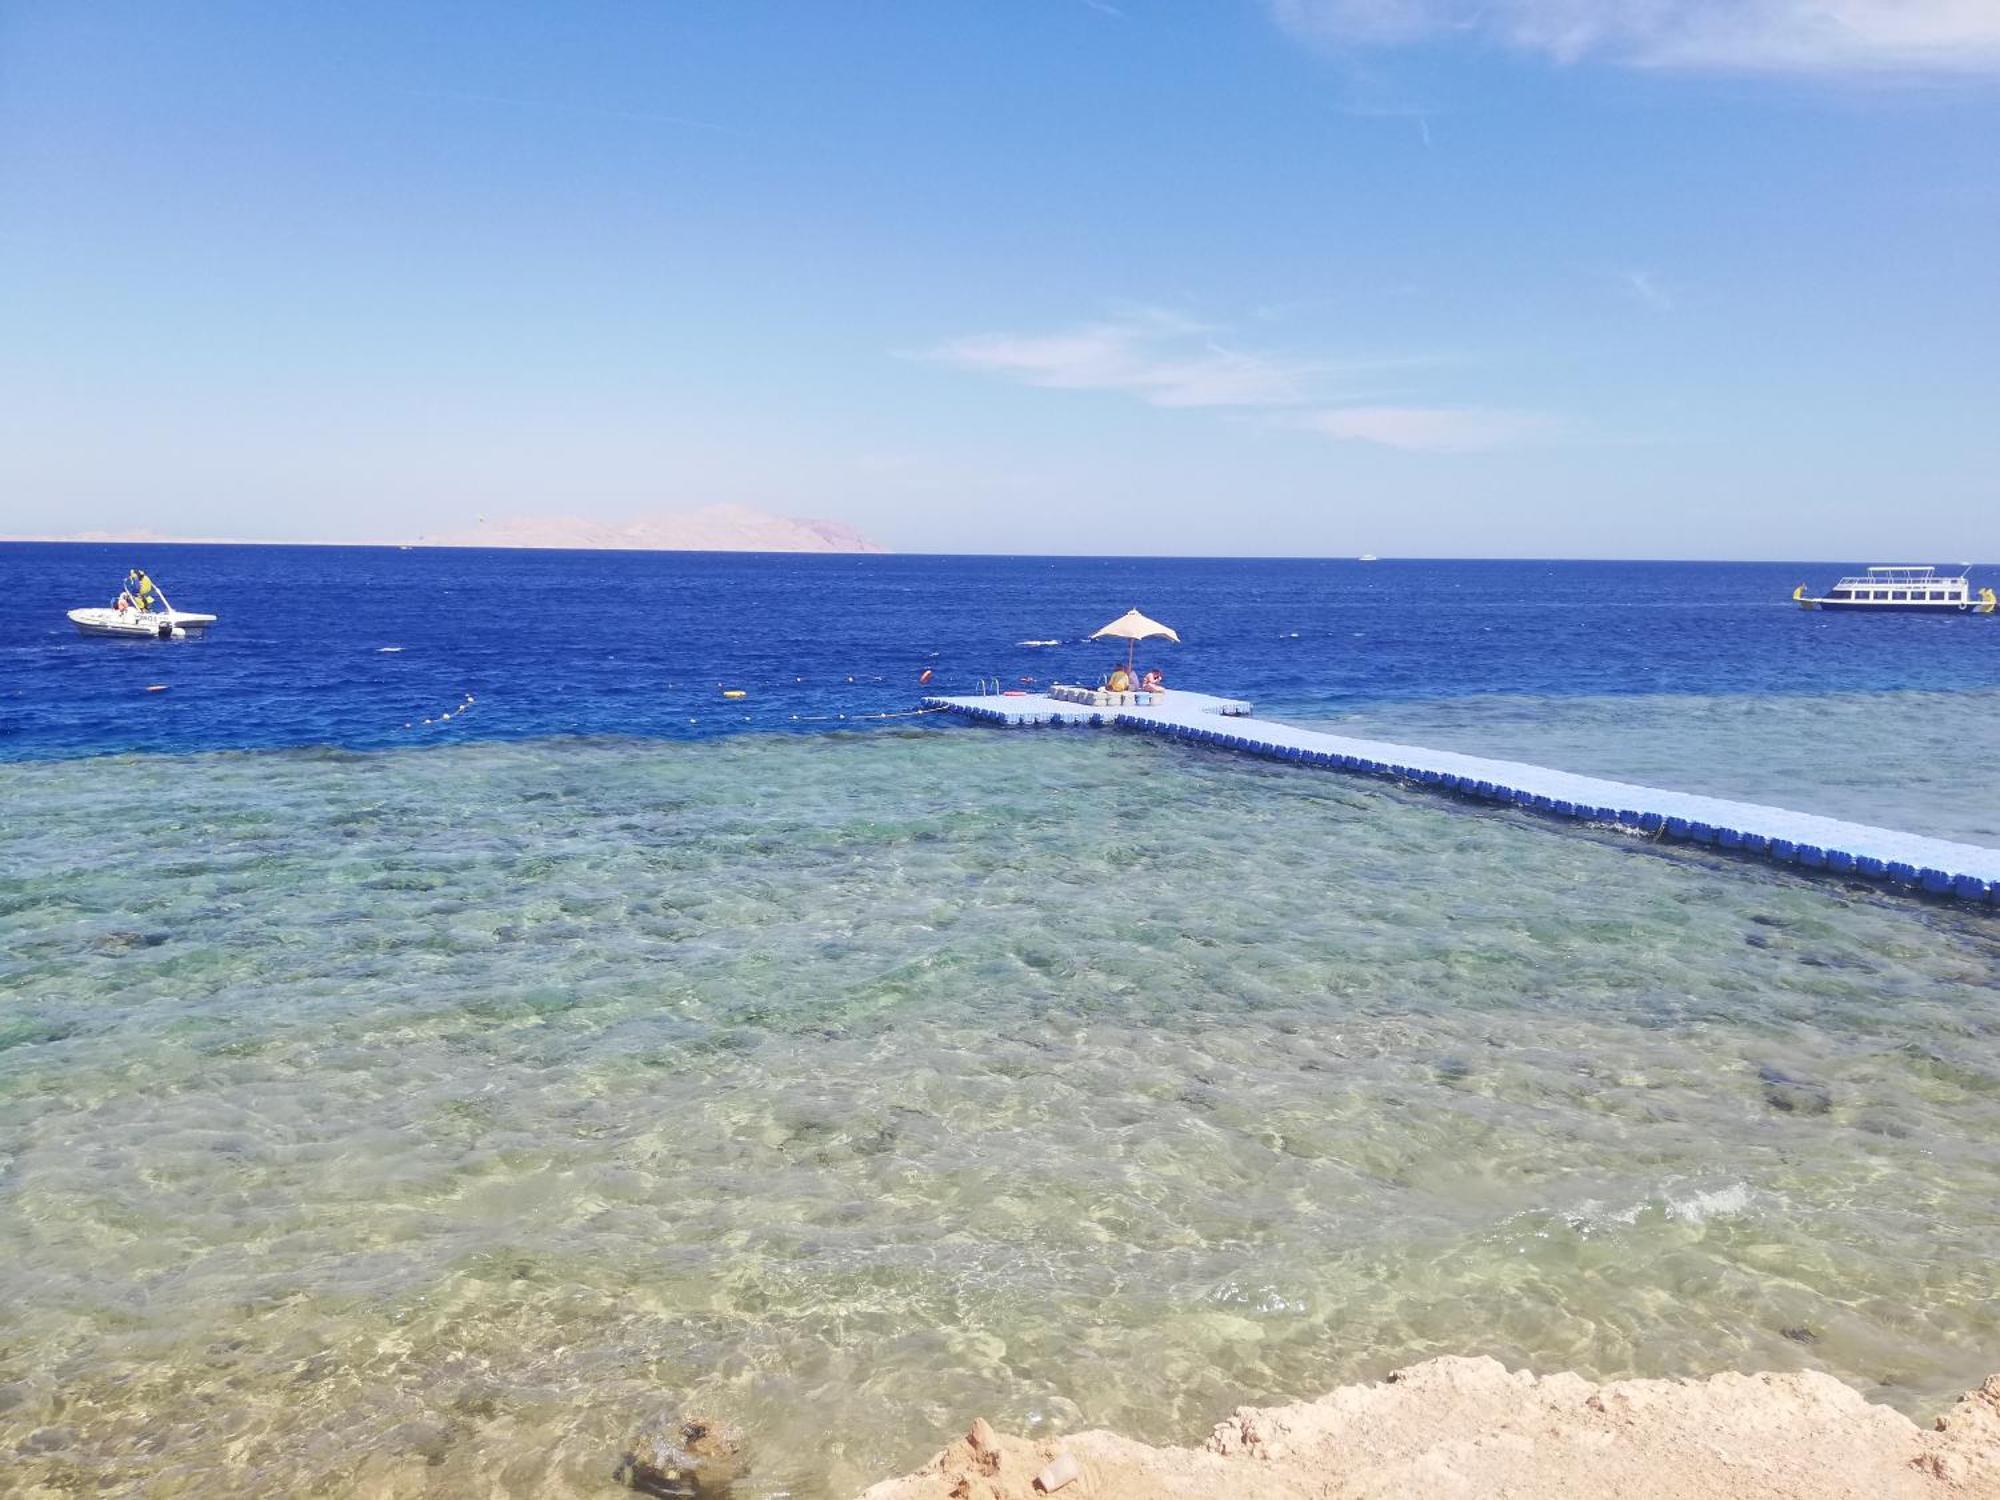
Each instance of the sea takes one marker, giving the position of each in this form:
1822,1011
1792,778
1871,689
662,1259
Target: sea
442,1033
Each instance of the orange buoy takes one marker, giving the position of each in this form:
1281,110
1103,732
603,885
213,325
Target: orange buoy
925,678
157,687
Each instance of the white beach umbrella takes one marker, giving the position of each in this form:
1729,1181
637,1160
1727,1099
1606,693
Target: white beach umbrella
1134,627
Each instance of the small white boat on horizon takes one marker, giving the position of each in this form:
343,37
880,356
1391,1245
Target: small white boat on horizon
1367,557
140,612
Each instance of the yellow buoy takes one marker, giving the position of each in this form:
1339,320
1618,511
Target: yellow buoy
734,693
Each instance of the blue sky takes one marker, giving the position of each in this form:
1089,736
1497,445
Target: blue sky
1526,277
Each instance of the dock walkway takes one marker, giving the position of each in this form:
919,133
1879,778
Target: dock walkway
1940,867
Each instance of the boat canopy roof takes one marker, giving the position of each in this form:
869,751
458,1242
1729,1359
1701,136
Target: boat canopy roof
1911,573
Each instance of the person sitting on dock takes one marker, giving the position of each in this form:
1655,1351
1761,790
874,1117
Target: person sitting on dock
1152,682
1120,681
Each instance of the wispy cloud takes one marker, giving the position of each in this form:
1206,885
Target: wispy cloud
1164,359
1808,36
1167,360
1431,429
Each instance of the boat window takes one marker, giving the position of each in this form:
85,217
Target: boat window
1900,594
1840,593
1881,593
1937,593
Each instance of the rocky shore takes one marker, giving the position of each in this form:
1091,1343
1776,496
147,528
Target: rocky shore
1469,1429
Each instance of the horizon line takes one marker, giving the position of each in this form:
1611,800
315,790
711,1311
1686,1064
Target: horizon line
43,541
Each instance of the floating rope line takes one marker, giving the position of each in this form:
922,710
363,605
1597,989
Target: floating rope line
908,713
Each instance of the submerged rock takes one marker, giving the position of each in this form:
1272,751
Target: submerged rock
430,1441
684,1457
1794,1096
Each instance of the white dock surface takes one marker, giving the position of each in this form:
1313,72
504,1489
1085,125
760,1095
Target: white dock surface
1940,866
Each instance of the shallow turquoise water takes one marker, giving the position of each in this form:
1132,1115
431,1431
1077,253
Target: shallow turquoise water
427,1120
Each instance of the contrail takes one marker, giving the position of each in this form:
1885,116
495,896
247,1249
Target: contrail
635,117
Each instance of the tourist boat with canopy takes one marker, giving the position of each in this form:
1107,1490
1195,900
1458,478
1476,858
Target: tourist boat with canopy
141,612
1904,588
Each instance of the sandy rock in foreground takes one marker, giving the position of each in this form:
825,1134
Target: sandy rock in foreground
1467,1429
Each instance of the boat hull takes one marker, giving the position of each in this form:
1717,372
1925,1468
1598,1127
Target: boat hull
1903,590
154,625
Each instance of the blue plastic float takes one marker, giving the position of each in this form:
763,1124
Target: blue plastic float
1806,842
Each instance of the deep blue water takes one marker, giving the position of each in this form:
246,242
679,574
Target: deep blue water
644,643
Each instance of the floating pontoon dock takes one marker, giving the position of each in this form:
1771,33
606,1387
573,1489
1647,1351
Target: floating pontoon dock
1969,872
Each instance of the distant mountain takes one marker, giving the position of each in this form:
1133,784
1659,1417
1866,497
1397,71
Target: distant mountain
713,528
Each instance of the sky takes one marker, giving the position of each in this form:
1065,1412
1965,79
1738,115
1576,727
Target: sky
1552,278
